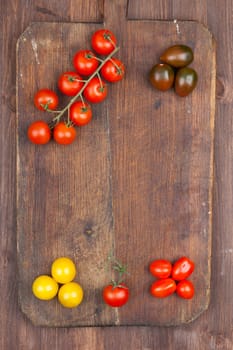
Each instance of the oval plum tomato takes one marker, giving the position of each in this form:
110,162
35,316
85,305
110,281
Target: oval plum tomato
46,99
182,268
70,294
116,296
103,41
64,134
113,70
163,287
80,113
85,62
63,270
44,287
185,289
95,91
160,268
39,133
70,83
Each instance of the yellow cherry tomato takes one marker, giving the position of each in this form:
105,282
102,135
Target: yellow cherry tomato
70,294
44,287
63,270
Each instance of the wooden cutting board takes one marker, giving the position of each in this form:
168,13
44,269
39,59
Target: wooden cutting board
137,183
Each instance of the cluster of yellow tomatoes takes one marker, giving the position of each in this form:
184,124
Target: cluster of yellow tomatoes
60,284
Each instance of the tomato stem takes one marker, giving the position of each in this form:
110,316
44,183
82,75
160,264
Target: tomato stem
79,94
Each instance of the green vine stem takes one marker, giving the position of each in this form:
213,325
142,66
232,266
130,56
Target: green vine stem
79,94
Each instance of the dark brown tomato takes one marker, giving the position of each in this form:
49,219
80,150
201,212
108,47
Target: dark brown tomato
185,81
177,56
162,76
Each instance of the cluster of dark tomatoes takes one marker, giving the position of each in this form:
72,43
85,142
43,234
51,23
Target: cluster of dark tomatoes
174,71
172,278
86,84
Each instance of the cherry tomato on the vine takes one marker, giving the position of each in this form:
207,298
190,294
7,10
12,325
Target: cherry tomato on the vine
113,70
70,83
46,99
96,90
182,268
160,268
116,296
85,62
185,289
80,113
163,287
64,134
103,41
39,132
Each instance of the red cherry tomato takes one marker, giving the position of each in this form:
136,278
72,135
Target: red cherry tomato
46,99
163,287
116,296
185,289
63,134
160,268
95,91
85,62
80,113
103,41
113,70
70,83
182,268
39,133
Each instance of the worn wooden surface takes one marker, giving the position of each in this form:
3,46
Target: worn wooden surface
136,184
213,329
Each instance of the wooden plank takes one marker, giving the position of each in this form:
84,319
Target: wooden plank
145,162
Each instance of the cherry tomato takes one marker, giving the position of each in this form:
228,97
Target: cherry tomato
163,287
85,62
63,134
116,296
182,268
160,268
162,76
44,287
63,270
95,91
185,81
39,132
103,41
70,83
177,56
113,70
70,294
185,289
80,113
46,99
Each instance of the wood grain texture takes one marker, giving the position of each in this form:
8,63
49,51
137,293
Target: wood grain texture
157,149
213,329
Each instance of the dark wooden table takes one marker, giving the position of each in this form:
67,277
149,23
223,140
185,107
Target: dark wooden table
214,328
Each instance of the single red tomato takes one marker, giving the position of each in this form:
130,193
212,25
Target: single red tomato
160,268
113,70
80,113
163,287
70,83
85,62
185,289
64,134
182,268
95,91
116,296
46,99
103,41
39,132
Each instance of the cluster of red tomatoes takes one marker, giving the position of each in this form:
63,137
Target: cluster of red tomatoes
172,278
85,84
